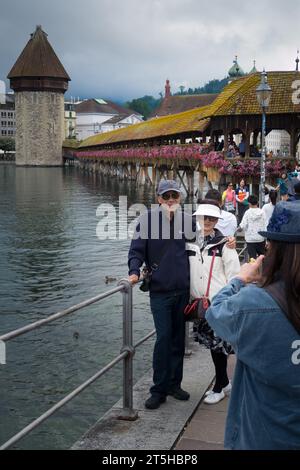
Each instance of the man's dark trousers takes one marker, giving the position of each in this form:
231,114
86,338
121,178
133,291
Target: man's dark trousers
167,309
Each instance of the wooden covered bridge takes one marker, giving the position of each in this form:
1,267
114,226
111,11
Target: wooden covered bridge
179,145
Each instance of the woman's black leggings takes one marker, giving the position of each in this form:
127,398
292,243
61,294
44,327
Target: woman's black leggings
220,362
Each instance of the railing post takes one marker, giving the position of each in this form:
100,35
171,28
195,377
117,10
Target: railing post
128,413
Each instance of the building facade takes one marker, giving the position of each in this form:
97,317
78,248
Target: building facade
70,119
278,142
8,117
95,116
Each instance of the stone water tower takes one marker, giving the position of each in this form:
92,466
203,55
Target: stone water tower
39,81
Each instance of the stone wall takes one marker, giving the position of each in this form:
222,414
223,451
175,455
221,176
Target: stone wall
39,128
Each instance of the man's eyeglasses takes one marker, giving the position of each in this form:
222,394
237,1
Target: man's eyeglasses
169,195
210,218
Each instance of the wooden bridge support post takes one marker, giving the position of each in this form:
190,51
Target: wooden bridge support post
247,143
162,173
170,174
181,177
255,136
226,144
201,185
293,143
140,175
133,171
190,181
154,175
126,171
119,171
146,175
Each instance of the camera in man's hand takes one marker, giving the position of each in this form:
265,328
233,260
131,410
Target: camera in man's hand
146,274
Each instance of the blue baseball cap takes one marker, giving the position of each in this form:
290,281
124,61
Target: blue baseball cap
167,185
284,225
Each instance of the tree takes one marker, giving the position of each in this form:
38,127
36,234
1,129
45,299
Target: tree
144,105
213,86
7,144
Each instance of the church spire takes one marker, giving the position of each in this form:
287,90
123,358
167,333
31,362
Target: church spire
235,71
167,89
297,61
254,69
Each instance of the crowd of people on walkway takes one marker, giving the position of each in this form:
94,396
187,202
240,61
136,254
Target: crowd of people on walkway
252,311
239,150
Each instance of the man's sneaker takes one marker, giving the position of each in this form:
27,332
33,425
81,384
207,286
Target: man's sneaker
226,390
179,394
214,398
154,402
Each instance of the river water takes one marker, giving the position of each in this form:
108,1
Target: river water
50,259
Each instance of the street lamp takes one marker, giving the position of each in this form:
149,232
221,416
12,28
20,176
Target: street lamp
263,93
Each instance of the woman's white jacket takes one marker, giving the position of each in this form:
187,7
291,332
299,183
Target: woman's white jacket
226,266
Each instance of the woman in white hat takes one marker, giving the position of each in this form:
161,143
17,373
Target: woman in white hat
211,245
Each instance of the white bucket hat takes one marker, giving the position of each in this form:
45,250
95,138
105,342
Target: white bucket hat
208,209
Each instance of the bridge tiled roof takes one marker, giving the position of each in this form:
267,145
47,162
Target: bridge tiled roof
164,126
237,98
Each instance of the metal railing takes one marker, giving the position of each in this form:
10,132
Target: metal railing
126,355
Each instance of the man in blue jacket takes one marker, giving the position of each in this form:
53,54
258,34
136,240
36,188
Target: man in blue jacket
159,242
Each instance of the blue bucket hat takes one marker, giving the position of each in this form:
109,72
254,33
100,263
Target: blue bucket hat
167,185
284,225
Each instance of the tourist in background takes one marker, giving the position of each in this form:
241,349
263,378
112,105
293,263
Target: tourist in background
269,207
285,185
220,146
259,314
252,223
231,151
284,195
242,194
242,147
266,191
212,246
229,199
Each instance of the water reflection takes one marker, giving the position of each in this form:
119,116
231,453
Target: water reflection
50,259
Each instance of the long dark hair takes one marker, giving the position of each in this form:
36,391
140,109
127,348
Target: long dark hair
273,196
282,262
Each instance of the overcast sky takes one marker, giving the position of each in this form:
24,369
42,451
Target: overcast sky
123,49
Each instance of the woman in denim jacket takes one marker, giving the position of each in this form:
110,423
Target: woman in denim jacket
263,326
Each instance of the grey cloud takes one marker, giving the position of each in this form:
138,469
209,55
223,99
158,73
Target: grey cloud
124,49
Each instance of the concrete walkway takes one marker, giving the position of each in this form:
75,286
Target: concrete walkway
205,431
179,425
154,429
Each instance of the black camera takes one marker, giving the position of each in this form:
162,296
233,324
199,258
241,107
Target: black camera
145,286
